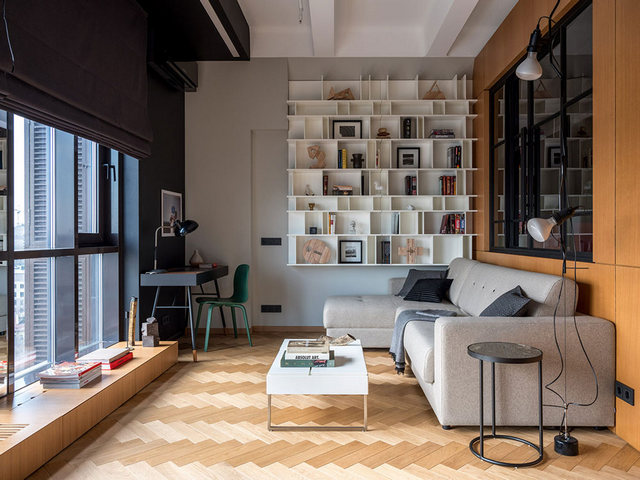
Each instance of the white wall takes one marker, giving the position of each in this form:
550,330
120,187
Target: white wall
235,126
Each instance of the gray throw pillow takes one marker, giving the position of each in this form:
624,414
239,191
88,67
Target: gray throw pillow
429,290
415,275
510,304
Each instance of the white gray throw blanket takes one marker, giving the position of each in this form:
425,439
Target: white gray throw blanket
397,339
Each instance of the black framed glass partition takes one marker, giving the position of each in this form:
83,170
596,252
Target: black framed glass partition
59,248
525,148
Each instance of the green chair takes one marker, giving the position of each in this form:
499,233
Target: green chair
239,297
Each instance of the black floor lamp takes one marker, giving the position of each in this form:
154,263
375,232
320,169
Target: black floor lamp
541,229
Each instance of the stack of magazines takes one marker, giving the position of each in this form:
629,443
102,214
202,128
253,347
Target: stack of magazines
308,353
70,375
110,358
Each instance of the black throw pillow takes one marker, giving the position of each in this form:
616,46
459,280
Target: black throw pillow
510,304
429,290
415,275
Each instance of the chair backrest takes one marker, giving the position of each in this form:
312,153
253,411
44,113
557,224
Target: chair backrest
241,283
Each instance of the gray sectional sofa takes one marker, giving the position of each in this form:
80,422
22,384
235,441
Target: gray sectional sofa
437,354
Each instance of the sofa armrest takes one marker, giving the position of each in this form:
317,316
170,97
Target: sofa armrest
456,373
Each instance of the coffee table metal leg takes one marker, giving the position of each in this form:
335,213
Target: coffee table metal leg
269,412
364,428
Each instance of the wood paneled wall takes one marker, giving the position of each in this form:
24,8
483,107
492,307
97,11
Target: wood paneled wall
610,286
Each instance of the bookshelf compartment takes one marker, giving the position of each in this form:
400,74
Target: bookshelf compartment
303,179
351,178
345,223
411,108
456,108
456,203
361,108
425,147
441,153
398,181
314,219
417,202
391,124
316,108
361,203
409,224
305,90
379,183
337,86
458,125
313,127
321,203
446,248
426,242
297,255
403,90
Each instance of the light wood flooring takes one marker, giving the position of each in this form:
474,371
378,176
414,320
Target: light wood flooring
208,420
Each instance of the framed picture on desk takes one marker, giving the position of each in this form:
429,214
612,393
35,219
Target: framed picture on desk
171,211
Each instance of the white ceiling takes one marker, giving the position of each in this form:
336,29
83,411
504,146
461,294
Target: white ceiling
372,28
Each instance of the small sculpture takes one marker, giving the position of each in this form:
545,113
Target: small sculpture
378,188
410,207
150,333
410,251
383,133
312,206
357,160
345,94
314,152
308,192
352,227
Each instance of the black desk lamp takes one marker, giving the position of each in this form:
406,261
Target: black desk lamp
540,229
180,228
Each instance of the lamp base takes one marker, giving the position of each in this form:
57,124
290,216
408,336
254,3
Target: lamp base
157,270
567,446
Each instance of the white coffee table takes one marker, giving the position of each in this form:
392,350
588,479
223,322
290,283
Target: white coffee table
348,377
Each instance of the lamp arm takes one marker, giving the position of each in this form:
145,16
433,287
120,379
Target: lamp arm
155,248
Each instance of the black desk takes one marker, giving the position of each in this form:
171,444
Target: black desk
184,277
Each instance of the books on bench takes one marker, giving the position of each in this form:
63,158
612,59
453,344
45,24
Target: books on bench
110,358
70,375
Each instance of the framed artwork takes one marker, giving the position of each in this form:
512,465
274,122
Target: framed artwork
554,156
408,157
347,129
171,211
350,251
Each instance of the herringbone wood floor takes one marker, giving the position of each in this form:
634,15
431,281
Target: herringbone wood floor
207,420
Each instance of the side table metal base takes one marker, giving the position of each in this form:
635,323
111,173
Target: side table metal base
472,447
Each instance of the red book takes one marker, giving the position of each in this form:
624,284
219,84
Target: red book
457,229
118,362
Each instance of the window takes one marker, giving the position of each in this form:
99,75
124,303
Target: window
525,148
61,256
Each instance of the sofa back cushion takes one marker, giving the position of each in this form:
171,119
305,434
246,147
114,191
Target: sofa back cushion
459,269
483,283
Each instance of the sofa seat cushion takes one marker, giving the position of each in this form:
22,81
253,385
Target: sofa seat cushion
374,311
418,345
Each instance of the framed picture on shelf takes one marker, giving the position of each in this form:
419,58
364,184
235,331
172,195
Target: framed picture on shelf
350,251
554,156
385,247
408,157
171,211
347,129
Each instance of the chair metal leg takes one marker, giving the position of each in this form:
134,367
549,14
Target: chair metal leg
246,323
233,317
206,338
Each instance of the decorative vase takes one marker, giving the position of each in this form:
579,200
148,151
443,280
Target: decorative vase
357,160
196,259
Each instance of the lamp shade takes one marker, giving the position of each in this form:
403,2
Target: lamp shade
184,227
540,228
529,68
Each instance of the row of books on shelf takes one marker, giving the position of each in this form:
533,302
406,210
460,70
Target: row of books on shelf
410,185
453,223
454,156
85,369
308,353
447,185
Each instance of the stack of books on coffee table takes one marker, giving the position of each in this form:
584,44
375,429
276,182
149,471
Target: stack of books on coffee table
70,375
110,358
308,354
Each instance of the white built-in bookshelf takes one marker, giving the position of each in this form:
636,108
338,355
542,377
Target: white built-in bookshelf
385,217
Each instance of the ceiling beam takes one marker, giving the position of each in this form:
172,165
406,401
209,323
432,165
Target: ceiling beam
322,17
450,27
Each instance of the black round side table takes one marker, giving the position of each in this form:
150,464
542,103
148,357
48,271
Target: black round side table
504,352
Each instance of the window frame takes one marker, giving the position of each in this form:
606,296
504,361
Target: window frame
103,242
530,183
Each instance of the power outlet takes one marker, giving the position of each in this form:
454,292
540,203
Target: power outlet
625,393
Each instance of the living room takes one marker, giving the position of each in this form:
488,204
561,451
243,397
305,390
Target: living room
418,188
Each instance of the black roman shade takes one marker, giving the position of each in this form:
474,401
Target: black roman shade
80,65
